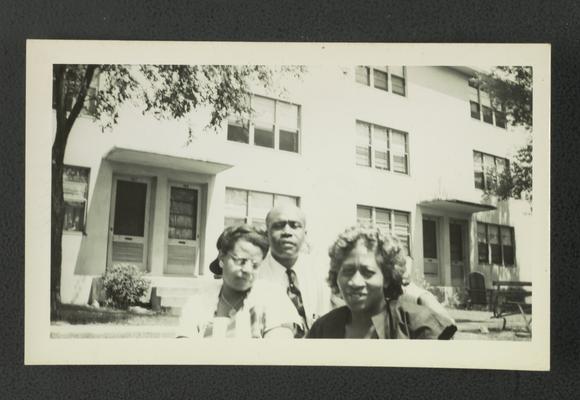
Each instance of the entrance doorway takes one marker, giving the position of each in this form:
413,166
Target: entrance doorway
129,223
457,245
183,230
431,256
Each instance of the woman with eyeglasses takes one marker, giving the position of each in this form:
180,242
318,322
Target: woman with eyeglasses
367,268
241,306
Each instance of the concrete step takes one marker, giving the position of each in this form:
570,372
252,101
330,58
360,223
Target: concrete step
173,301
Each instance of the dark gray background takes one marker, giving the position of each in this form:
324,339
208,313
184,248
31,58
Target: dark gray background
528,21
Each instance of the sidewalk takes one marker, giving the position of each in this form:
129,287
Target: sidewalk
473,325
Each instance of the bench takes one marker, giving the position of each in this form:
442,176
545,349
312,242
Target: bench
509,298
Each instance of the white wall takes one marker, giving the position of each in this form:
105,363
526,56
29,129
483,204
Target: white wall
441,133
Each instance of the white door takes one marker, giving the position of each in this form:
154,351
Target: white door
183,230
431,251
129,223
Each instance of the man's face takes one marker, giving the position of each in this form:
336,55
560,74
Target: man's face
286,232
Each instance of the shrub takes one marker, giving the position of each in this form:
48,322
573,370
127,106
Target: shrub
124,285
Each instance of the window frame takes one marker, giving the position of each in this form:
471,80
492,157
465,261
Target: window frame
85,200
248,218
486,184
495,121
392,213
250,125
370,81
390,152
488,260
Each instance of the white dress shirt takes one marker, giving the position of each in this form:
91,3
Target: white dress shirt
311,283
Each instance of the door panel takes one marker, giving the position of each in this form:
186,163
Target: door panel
457,240
128,240
183,230
430,250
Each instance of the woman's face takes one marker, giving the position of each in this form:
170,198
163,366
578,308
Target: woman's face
360,281
240,265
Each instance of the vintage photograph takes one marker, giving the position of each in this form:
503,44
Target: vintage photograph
322,196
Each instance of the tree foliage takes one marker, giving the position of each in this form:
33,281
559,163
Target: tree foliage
511,89
164,91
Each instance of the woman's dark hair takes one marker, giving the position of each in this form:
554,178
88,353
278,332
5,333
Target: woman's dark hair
230,236
389,254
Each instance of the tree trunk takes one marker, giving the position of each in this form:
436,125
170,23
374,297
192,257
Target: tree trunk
64,125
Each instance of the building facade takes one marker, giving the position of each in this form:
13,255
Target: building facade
416,150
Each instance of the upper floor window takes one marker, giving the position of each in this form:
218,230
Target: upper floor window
75,186
489,170
482,107
246,206
274,124
495,244
383,78
382,148
390,221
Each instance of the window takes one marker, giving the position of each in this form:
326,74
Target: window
245,206
379,77
495,244
489,170
75,191
274,124
392,221
482,107
382,148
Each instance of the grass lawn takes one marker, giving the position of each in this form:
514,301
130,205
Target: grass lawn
85,315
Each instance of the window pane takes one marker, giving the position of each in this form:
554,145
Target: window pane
74,216
381,159
363,156
287,116
482,251
506,236
484,98
263,111
363,215
264,136
238,133
363,137
380,137
363,133
490,171
130,208
75,183
289,141
500,119
500,164
236,203
473,96
429,239
399,148
383,219
380,78
478,169
493,237
474,109
487,114
260,204
402,228
363,75
398,85
182,213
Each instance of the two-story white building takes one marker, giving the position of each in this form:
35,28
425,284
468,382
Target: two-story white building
408,148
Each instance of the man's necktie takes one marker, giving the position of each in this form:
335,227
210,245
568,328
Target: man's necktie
295,295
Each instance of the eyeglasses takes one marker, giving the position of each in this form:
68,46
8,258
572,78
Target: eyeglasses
242,262
278,225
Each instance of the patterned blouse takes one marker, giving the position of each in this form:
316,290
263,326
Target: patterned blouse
264,309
